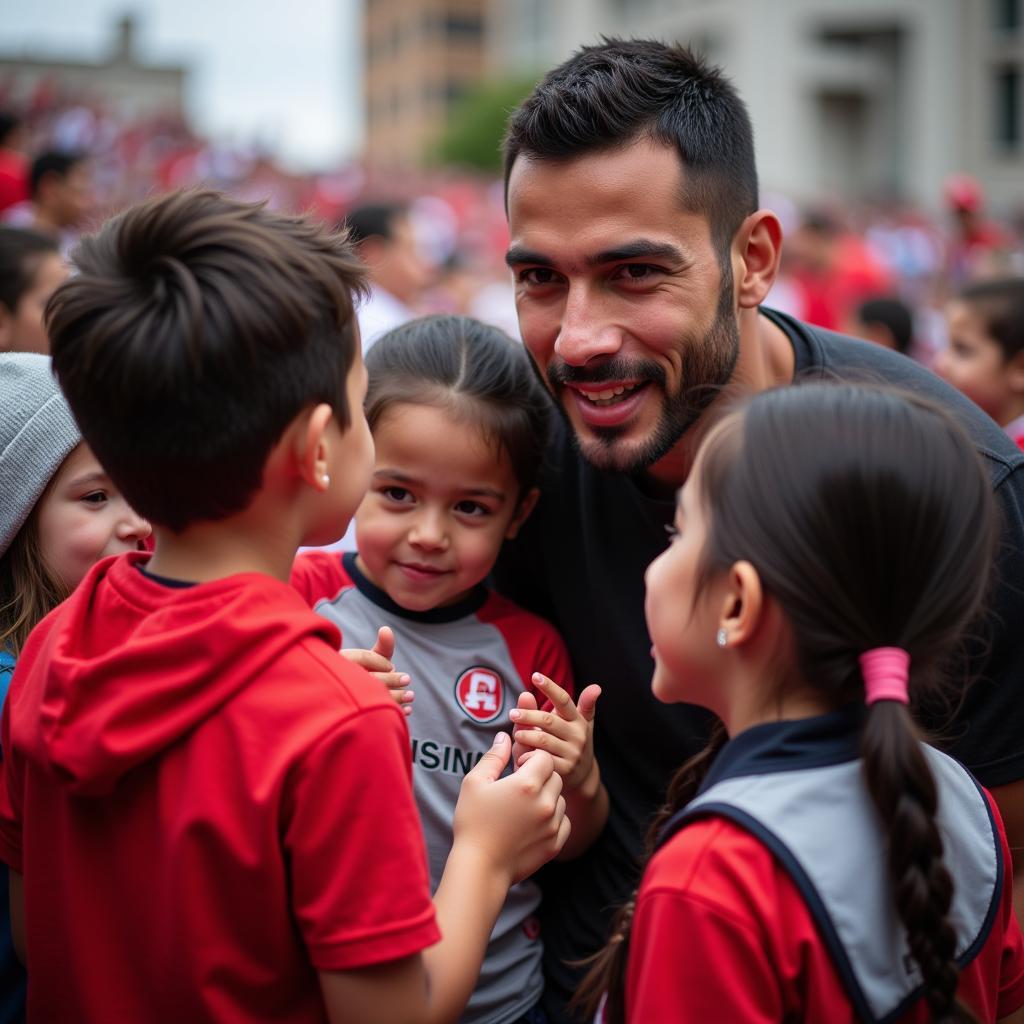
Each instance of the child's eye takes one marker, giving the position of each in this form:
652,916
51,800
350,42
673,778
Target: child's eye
399,495
95,497
471,508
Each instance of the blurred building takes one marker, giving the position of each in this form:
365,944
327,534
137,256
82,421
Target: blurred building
850,99
420,58
122,83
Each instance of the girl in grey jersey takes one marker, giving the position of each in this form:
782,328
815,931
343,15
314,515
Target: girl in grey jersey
459,427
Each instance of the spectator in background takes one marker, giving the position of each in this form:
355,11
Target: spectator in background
30,271
397,271
885,321
13,163
985,355
60,197
977,246
833,270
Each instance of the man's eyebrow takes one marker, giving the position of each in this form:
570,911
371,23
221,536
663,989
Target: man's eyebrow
641,248
517,256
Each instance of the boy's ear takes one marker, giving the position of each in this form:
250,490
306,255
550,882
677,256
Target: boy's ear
523,510
1014,371
312,447
742,605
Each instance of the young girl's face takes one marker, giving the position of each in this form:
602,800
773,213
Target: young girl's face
441,501
82,518
682,622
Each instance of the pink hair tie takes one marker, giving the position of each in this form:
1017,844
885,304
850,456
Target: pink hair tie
886,671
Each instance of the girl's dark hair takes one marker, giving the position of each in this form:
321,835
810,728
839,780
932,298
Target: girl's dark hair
471,368
871,522
27,591
21,252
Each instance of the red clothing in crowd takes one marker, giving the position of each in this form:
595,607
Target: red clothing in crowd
207,804
13,178
721,932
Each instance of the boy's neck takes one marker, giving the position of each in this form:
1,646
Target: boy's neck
213,550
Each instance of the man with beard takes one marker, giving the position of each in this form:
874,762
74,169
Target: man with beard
641,259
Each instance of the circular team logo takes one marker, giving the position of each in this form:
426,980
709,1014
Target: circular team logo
480,693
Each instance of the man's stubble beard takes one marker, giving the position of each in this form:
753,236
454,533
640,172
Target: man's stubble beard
707,367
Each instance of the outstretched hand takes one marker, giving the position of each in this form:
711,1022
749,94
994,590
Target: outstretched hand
566,732
378,663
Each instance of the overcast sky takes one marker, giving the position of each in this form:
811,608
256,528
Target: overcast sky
284,72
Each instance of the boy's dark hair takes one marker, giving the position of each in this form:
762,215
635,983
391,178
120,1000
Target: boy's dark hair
21,252
471,368
1000,304
607,96
894,315
197,328
871,522
373,220
59,164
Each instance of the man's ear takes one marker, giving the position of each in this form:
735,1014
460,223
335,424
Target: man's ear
757,247
742,605
312,447
523,510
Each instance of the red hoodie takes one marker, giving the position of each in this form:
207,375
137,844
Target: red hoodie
207,804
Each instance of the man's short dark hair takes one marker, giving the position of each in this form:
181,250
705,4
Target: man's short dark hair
374,220
59,164
195,331
613,94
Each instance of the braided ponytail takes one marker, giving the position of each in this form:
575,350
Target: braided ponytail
902,788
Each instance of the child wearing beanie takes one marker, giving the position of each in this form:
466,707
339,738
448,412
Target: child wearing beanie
59,515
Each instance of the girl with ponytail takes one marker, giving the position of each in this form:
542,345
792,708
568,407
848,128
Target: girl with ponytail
822,862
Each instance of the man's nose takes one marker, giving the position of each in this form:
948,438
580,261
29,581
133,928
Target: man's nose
585,331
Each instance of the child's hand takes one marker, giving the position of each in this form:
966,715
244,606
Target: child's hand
566,733
516,823
378,663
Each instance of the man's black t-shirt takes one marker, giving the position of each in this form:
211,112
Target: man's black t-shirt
580,561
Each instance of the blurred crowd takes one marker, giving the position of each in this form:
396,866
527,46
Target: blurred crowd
883,272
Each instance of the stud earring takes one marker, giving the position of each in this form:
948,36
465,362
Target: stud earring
721,637
325,480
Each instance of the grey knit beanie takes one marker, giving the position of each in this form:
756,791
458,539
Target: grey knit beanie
37,433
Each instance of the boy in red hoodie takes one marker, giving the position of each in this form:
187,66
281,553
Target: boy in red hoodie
207,813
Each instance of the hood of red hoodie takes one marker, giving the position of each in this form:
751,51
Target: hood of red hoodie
127,665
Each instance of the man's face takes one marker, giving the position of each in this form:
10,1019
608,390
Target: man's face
621,298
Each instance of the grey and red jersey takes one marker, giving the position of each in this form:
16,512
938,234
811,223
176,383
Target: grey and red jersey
469,662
